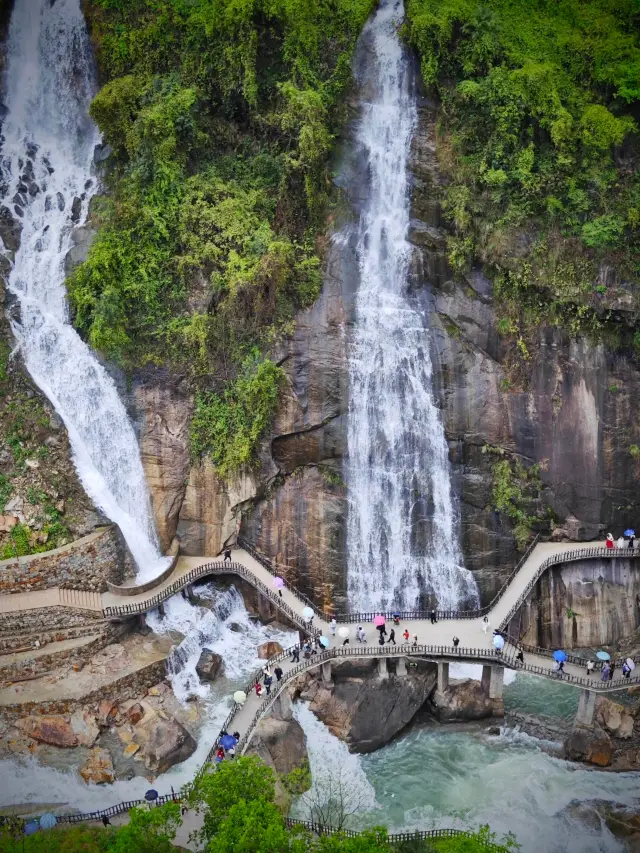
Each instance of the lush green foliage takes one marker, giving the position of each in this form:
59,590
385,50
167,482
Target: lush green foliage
513,492
539,143
222,117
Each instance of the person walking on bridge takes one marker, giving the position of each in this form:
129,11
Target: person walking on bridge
332,626
278,673
456,642
520,656
405,635
590,667
227,555
392,637
296,655
610,542
485,624
433,617
606,671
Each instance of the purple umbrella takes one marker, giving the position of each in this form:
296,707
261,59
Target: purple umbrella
278,583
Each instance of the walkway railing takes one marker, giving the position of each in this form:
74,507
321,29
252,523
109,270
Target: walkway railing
215,568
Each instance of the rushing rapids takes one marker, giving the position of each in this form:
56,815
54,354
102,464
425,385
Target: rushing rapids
402,526
47,183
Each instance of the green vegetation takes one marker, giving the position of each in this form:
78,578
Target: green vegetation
539,145
238,805
514,490
222,117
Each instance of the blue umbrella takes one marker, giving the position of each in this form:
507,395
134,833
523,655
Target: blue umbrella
603,656
324,642
560,656
227,741
629,532
31,828
48,821
151,795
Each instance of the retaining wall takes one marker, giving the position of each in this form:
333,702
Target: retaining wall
46,619
129,687
86,564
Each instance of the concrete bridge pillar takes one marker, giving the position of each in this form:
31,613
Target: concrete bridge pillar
401,668
493,681
161,610
189,593
382,668
586,708
326,672
443,676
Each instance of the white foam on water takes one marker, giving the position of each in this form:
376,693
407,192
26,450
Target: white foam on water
402,527
331,762
46,164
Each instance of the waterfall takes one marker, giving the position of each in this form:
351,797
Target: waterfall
47,182
402,527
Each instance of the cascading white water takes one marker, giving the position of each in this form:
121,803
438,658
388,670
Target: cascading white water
402,528
47,183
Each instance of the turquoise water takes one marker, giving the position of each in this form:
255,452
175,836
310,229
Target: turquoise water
436,777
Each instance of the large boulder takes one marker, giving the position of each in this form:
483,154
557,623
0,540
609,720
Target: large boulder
166,742
614,718
98,768
269,650
84,726
592,746
366,711
56,731
210,665
285,742
463,701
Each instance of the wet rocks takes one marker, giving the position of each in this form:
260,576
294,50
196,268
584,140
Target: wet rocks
166,742
76,209
84,727
463,701
592,746
210,665
54,730
82,237
10,230
614,718
108,713
269,650
98,768
135,713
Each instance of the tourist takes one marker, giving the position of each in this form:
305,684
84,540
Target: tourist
590,667
236,736
610,543
625,670
266,671
433,617
396,618
346,641
415,641
296,655
227,555
392,637
332,626
258,689
486,624
405,635
278,672
561,667
620,542
606,669
360,635
632,540
105,820
520,656
612,669
220,754
382,630
381,640
267,683
231,752
456,641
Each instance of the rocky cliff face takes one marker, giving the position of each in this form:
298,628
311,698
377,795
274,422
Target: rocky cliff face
582,604
574,415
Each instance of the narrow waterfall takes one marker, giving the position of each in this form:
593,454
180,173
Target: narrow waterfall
402,531
47,182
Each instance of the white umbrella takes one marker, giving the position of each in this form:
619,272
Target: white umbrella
498,642
630,663
343,632
307,613
240,697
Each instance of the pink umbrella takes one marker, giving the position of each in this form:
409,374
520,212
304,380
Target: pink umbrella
378,621
278,583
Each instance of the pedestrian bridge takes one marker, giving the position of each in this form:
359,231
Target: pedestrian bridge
124,602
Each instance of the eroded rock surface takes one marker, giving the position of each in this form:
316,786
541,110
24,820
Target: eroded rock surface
210,665
464,701
98,768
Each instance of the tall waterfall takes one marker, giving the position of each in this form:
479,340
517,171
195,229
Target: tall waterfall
47,183
402,527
